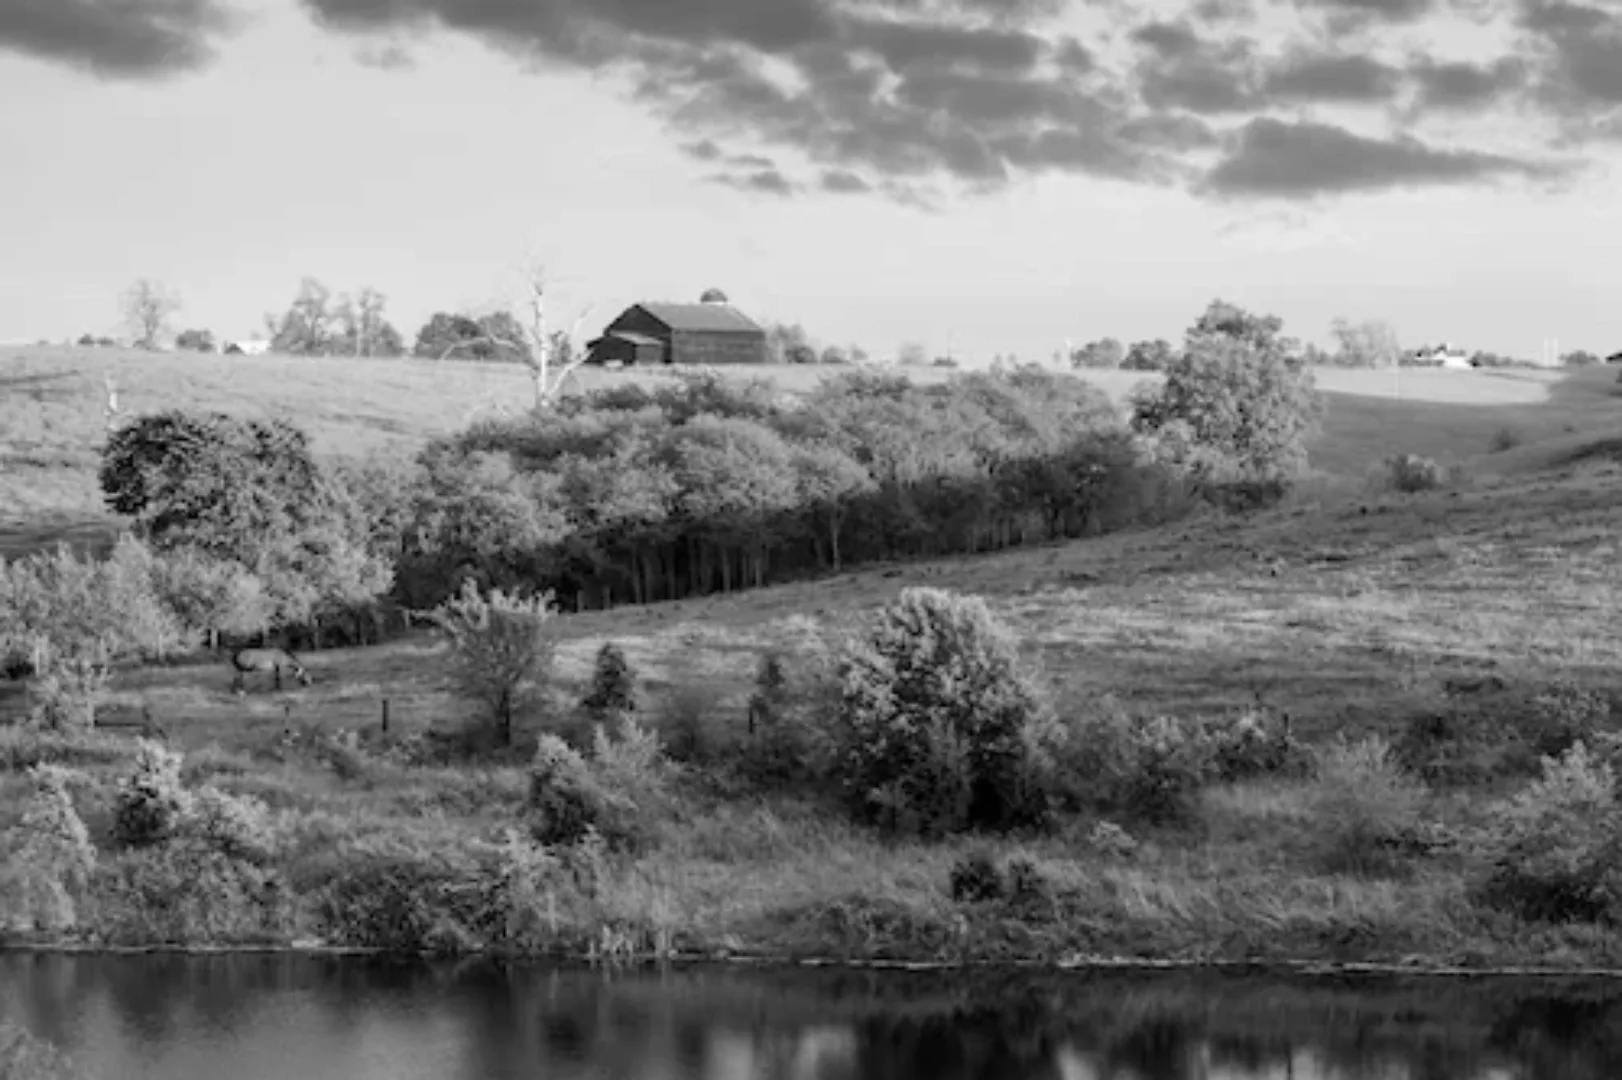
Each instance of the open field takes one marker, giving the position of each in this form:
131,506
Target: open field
52,420
1351,617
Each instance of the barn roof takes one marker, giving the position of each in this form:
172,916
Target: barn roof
709,318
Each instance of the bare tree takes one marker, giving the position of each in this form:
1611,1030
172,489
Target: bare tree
148,306
551,355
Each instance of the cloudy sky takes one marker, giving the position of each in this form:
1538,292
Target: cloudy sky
978,175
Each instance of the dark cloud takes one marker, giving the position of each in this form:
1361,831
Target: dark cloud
1580,56
117,38
843,182
1463,86
1365,11
1271,158
893,96
1332,77
760,182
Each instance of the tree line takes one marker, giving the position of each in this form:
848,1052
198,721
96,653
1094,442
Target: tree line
686,485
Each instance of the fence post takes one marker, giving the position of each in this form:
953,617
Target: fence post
385,716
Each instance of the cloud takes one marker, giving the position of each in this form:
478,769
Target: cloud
843,182
1450,86
128,39
1274,159
760,182
390,57
1356,12
1578,65
1332,77
1183,71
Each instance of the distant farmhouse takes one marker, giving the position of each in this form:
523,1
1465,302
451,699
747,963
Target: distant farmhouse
1443,355
712,332
255,347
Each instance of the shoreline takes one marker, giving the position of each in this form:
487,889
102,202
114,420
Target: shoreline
1080,964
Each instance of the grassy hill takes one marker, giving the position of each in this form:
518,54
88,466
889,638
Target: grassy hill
52,402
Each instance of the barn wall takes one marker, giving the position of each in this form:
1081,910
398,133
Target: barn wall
637,321
712,347
610,349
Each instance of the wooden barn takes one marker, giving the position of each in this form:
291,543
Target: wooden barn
707,333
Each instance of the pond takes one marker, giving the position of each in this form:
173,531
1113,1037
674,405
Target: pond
259,1017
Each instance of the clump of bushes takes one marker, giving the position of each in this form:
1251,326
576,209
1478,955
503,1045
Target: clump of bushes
617,795
936,720
1557,854
1367,810
1411,473
976,879
49,858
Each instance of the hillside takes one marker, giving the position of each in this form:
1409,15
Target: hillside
52,402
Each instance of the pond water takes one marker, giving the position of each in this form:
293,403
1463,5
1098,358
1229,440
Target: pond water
312,1018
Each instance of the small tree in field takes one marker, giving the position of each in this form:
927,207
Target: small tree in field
1236,396
148,306
938,721
613,685
501,645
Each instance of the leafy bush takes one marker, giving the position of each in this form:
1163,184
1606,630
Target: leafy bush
1505,438
1366,809
975,879
187,892
1410,473
49,858
1557,854
386,896
568,801
1141,768
151,802
787,742
235,825
936,719
1251,744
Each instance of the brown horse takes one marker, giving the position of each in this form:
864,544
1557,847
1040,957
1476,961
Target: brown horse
275,661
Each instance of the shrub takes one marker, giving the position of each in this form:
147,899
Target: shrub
66,696
1366,808
613,685
975,879
1142,768
1505,438
186,892
46,872
385,896
567,801
151,802
1557,856
936,718
1410,473
1250,744
235,825
786,742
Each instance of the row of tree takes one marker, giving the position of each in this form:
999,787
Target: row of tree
681,486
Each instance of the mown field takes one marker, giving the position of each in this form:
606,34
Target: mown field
52,419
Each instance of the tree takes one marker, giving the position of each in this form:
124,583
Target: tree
500,645
1263,333
912,354
308,327
1154,355
1103,353
495,336
196,341
365,332
1368,344
535,344
612,692
1235,398
148,306
1579,358
788,343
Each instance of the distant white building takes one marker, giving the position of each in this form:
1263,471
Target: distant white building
1443,355
252,348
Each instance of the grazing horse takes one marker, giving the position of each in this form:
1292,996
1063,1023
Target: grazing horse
274,661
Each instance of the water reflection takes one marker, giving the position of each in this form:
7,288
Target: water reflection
268,1018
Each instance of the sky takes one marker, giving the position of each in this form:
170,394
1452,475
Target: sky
979,176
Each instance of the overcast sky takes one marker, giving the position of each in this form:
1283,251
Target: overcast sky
980,175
